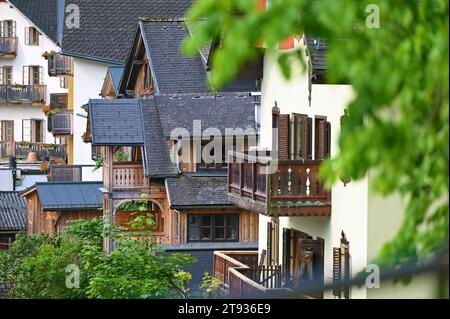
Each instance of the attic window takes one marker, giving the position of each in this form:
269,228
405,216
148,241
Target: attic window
197,97
241,96
175,97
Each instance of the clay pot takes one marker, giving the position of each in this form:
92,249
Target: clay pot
32,157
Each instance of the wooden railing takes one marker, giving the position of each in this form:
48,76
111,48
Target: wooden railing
66,173
223,261
62,122
8,46
59,65
239,273
128,176
283,183
21,150
23,93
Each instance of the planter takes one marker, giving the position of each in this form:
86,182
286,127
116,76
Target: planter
32,157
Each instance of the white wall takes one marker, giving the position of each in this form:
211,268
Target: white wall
349,204
88,81
27,55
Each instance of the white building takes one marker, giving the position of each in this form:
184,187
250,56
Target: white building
301,225
25,84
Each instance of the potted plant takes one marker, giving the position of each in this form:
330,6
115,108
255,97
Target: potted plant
48,55
149,91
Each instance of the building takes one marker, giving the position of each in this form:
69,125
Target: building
12,217
308,236
165,104
25,81
52,205
98,46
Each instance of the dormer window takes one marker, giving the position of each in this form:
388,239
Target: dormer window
31,36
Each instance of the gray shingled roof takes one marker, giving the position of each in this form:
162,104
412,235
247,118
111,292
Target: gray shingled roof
116,122
228,110
173,72
42,13
317,49
157,149
107,27
70,195
12,212
196,191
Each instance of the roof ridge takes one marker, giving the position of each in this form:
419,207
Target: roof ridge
161,19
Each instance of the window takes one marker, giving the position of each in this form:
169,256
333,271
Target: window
213,227
32,75
301,131
63,82
212,164
31,36
8,29
6,131
6,75
32,131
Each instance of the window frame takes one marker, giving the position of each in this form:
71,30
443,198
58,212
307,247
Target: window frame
213,227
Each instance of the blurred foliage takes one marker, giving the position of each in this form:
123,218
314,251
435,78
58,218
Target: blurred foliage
397,127
35,265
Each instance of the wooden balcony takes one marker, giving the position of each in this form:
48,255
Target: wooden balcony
18,94
283,188
20,150
126,176
60,65
8,47
62,123
243,278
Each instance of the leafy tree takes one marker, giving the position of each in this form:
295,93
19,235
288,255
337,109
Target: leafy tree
36,266
398,120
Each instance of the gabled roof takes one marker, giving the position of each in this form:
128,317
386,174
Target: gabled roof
317,49
173,72
116,122
107,27
157,149
197,191
56,196
42,13
115,72
227,110
12,212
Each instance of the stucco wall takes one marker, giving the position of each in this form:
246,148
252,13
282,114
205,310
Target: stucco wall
349,203
88,81
27,55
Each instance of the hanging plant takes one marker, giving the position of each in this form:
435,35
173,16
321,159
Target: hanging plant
149,91
47,55
49,111
45,167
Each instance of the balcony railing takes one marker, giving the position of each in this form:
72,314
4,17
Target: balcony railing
125,176
240,275
23,93
66,173
59,65
283,188
8,46
20,150
62,123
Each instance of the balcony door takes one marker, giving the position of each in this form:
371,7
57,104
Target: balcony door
7,131
6,75
7,29
32,75
32,131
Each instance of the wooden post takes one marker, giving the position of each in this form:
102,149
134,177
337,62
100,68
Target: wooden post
241,178
254,180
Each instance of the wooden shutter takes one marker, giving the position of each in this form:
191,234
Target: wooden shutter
346,262
2,75
307,138
322,139
26,75
27,35
2,28
283,137
286,254
269,243
41,75
336,271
